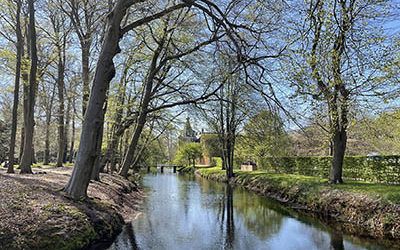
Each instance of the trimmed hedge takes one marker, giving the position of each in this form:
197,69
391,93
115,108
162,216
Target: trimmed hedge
382,169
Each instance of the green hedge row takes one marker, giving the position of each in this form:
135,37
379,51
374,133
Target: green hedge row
383,169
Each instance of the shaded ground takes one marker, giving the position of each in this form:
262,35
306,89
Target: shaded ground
35,213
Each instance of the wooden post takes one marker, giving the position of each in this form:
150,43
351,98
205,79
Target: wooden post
174,169
162,169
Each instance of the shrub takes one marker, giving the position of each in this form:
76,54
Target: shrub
383,169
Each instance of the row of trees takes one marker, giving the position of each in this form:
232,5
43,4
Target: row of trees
225,59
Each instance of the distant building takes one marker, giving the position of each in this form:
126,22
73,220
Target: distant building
188,134
209,141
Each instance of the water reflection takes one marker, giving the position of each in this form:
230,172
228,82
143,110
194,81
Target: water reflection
230,223
337,241
126,239
187,213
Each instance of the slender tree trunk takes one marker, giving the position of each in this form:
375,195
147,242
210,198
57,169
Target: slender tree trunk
49,112
47,136
133,145
110,151
21,145
141,120
20,47
94,117
72,146
85,46
66,130
34,159
116,132
27,155
61,111
46,159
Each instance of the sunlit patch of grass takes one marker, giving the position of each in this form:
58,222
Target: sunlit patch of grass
390,193
50,165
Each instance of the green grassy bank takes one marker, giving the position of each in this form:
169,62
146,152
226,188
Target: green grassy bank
363,208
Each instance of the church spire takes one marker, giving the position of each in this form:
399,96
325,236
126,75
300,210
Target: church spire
188,131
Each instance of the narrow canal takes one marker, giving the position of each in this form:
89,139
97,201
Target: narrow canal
182,212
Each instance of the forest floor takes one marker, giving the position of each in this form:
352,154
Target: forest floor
360,208
36,214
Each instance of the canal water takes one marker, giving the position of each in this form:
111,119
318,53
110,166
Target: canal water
182,212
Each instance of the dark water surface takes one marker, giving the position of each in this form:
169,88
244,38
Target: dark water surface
184,212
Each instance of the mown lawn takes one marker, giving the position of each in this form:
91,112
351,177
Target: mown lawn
390,193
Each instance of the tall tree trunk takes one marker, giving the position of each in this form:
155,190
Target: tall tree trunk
110,151
66,129
27,155
21,145
97,163
34,159
85,46
339,149
339,140
72,146
116,130
48,123
20,47
46,159
340,100
94,117
141,120
129,156
61,111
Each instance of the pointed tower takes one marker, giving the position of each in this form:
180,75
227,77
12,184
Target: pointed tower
188,134
188,131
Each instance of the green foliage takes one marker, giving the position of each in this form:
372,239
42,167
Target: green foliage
188,153
211,145
264,135
383,169
152,151
216,162
381,134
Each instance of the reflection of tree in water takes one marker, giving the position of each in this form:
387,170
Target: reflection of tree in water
184,192
257,214
207,186
336,241
230,225
126,240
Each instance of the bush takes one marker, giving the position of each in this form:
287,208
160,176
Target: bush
188,153
383,169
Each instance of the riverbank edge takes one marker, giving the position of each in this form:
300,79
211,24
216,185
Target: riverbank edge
96,222
353,213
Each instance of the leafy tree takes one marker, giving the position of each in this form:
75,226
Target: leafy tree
211,145
339,61
379,134
188,153
263,135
